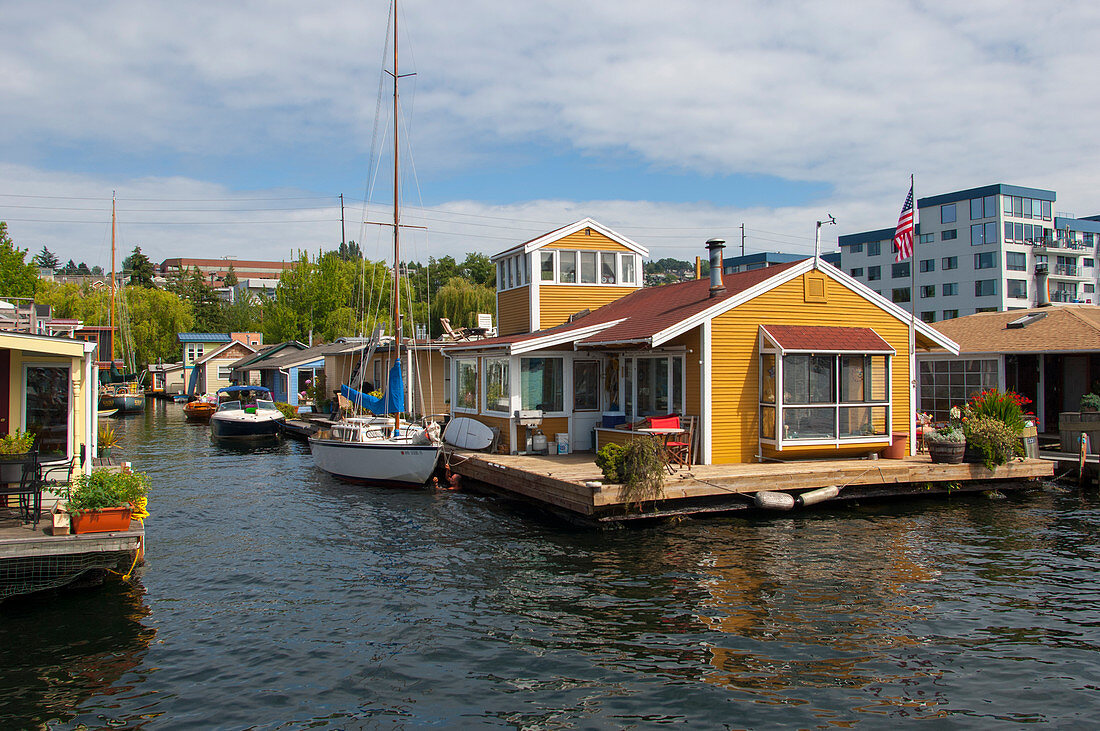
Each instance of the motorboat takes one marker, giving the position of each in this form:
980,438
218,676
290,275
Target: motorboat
245,413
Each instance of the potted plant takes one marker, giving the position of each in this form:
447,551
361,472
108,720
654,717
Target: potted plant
103,500
991,441
1090,402
946,445
14,448
108,440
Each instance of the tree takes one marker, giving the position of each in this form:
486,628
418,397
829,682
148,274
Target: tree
69,268
230,276
17,278
139,267
459,301
83,269
97,271
46,259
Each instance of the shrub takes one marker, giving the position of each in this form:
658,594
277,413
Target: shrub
949,433
994,439
1006,407
643,470
17,442
1090,401
610,461
288,410
105,489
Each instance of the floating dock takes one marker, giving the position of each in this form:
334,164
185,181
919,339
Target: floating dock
572,485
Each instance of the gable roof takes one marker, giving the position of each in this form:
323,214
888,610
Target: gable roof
560,233
217,352
1054,329
834,339
267,351
654,315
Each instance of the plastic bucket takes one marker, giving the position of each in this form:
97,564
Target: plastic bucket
563,443
897,450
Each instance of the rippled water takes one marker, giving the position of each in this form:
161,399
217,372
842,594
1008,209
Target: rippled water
275,597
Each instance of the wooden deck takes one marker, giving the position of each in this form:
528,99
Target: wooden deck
569,482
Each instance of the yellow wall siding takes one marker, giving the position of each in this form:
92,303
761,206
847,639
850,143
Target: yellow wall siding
734,373
558,301
514,311
578,240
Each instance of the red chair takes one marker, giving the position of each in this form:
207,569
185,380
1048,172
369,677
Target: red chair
676,452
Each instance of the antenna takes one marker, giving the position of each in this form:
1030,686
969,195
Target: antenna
817,237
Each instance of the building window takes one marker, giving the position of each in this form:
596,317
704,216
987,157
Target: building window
1015,261
567,267
857,272
1089,288
465,384
497,385
224,372
586,385
874,273
950,314
546,265
928,316
857,248
825,398
928,265
927,238
874,248
607,267
927,290
899,270
947,383
948,234
1017,288
977,234
950,289
947,213
542,384
588,267
1086,262
900,294
984,260
658,386
627,263
46,406
985,287
983,208
949,262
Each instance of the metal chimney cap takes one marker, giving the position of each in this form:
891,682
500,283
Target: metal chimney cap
711,243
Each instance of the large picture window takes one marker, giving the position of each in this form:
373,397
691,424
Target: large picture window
466,384
654,386
497,385
826,398
47,409
542,384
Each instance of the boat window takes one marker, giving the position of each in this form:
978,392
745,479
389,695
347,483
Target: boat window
269,405
229,406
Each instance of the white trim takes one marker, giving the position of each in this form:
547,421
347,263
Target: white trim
569,336
534,311
205,357
572,228
705,404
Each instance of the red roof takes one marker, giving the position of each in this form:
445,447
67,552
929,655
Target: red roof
828,338
644,312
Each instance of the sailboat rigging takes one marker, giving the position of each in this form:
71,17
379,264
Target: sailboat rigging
382,450
119,390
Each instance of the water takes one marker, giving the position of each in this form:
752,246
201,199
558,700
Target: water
277,598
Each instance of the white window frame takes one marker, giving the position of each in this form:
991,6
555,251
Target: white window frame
70,417
483,385
631,361
455,382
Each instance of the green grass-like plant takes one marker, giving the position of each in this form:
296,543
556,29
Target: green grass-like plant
1090,401
994,439
288,410
105,489
17,442
1006,407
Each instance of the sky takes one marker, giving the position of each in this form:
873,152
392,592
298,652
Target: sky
231,129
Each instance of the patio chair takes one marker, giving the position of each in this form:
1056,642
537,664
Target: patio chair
28,490
453,333
680,452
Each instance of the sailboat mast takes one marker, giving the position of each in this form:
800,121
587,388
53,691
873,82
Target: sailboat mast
396,216
112,310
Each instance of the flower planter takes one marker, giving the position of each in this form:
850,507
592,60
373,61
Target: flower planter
106,520
11,467
897,450
947,452
973,455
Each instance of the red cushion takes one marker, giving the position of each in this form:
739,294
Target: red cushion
664,422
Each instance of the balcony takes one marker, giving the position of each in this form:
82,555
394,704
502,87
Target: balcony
1065,297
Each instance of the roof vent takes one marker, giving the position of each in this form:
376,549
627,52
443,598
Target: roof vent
578,315
1025,320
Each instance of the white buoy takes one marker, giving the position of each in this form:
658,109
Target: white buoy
766,500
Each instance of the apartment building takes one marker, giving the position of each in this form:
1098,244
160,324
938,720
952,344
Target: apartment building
997,247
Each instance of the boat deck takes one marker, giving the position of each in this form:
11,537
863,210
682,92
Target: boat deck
574,484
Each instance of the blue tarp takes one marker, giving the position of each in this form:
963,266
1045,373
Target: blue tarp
392,401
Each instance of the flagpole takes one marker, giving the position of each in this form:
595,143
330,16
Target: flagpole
913,324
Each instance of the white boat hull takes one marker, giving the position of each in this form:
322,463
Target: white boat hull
384,461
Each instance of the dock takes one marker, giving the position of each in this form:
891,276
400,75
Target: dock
572,485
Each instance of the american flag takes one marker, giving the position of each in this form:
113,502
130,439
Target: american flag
903,235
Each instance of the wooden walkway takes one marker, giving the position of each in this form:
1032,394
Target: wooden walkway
572,483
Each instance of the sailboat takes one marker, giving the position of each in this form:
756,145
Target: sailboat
381,449
119,391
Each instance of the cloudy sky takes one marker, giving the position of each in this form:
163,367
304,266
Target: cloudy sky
230,129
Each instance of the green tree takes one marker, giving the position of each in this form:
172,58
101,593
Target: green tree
46,259
139,268
17,278
459,301
207,309
153,318
230,276
479,270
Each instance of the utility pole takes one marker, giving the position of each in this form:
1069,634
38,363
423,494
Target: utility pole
742,239
343,239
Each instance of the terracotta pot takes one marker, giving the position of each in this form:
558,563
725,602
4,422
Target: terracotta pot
107,520
897,450
947,452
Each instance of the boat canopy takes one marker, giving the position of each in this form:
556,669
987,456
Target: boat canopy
258,390
391,402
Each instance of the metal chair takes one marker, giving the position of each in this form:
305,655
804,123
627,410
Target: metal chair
28,490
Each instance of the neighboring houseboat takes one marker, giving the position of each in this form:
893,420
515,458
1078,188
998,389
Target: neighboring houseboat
794,361
245,413
247,370
207,361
